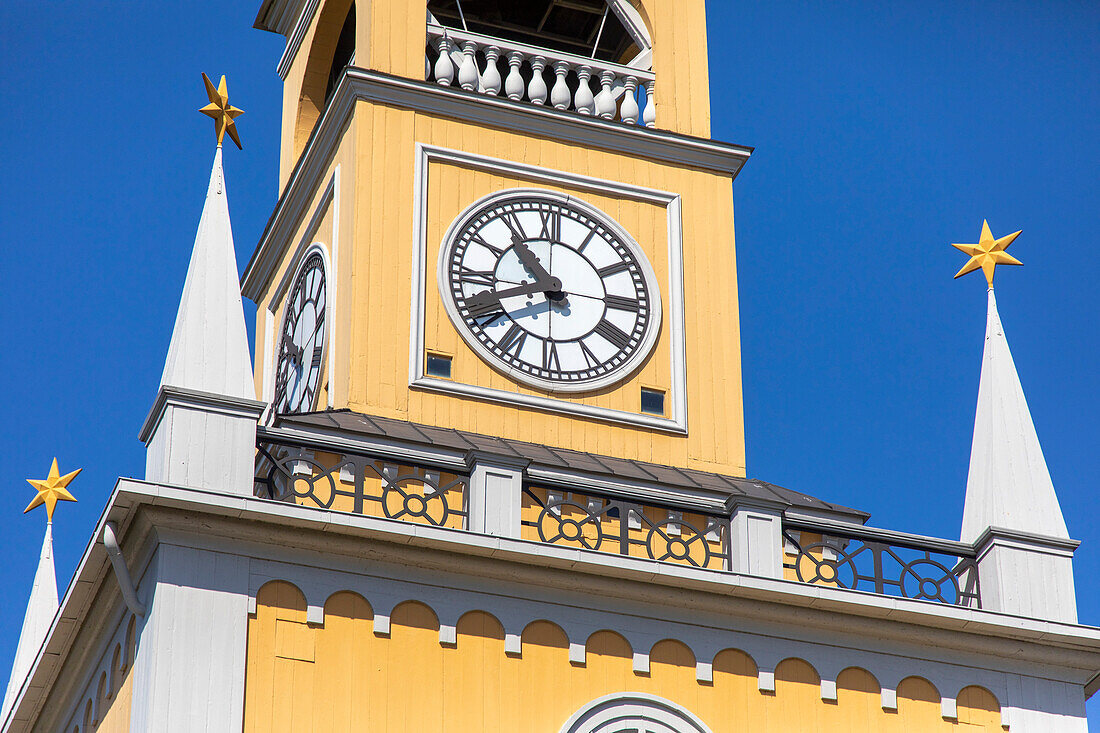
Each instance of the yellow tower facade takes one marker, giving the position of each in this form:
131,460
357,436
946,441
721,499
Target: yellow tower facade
439,138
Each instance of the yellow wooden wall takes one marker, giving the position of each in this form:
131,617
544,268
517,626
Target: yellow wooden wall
390,37
106,708
376,241
342,677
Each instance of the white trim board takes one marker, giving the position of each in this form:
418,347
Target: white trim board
677,420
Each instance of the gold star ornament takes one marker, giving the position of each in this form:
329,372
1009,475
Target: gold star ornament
51,490
987,253
221,110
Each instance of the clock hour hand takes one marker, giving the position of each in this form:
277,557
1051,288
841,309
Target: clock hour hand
489,296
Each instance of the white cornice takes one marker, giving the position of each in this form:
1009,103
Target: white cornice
371,86
946,627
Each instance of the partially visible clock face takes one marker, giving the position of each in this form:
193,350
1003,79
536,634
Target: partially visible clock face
302,346
549,290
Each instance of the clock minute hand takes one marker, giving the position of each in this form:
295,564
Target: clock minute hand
528,258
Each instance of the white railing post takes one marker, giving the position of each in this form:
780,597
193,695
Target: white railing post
756,540
496,492
649,116
629,107
444,69
605,100
467,73
559,95
490,80
536,90
584,101
513,85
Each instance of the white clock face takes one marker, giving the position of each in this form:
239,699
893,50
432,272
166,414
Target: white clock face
302,346
549,290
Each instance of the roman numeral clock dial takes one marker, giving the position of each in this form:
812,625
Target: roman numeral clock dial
302,345
549,290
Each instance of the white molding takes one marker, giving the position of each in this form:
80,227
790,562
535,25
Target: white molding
427,154
622,711
360,84
295,38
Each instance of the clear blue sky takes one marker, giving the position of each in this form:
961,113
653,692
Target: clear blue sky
881,136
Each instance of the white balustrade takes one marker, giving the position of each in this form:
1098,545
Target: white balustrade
473,62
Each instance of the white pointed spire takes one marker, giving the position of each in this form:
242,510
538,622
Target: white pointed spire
1008,485
41,608
209,347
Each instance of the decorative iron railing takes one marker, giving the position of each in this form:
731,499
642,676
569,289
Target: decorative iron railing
880,561
495,66
607,524
361,484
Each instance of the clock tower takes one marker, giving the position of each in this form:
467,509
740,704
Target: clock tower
486,472
505,218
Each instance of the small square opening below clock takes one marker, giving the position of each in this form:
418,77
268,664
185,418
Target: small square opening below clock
438,366
653,401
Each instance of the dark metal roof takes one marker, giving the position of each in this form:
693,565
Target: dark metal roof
347,422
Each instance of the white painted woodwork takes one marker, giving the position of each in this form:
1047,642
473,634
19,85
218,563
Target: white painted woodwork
756,537
616,80
490,79
1027,575
1011,513
41,608
513,85
467,72
1009,485
201,430
209,348
496,489
444,70
190,663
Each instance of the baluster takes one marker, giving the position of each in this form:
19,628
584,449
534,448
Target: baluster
467,72
427,67
605,100
629,109
444,69
536,90
513,85
490,80
649,117
584,101
559,95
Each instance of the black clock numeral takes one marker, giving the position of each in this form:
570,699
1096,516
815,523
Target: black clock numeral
590,358
477,239
316,358
612,269
589,238
476,277
512,222
618,302
612,333
551,361
551,225
513,340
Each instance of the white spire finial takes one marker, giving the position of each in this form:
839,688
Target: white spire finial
41,608
1008,485
209,347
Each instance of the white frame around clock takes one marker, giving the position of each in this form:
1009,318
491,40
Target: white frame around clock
618,374
676,420
322,375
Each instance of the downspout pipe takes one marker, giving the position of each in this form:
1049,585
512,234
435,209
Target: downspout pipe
122,574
